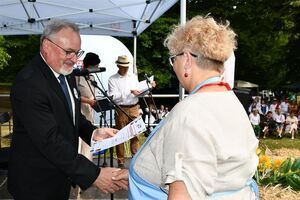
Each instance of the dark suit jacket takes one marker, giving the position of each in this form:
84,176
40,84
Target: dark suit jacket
44,159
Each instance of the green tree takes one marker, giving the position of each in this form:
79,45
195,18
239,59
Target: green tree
4,56
292,50
265,30
21,49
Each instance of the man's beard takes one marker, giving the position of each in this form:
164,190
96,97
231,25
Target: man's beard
63,70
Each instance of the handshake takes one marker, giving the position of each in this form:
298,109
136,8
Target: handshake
111,180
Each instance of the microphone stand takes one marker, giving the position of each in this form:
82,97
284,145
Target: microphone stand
102,116
87,78
151,97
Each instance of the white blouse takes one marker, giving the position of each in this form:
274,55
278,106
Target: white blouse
206,141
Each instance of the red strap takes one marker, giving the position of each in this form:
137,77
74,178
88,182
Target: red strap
220,84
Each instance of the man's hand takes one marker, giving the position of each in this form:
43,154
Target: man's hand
92,102
104,181
153,84
135,92
103,133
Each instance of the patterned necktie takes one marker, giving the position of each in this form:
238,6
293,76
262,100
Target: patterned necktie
62,82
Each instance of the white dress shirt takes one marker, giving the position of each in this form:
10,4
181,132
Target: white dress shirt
120,88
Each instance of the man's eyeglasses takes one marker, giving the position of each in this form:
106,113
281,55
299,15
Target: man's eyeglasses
172,58
69,53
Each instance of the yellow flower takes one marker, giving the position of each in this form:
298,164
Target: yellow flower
264,159
268,164
277,163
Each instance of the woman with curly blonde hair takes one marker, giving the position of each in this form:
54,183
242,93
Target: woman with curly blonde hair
205,148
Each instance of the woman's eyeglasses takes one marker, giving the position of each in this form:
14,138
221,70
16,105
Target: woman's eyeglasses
173,57
69,53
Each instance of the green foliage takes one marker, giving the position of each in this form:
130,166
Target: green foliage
152,57
4,56
266,32
21,49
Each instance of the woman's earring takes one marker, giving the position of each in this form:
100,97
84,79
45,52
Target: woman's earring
186,75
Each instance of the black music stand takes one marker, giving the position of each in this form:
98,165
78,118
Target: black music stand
103,105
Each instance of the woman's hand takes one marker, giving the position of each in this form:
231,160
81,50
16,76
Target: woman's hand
120,176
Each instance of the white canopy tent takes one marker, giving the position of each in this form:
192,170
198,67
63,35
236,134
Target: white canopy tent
126,18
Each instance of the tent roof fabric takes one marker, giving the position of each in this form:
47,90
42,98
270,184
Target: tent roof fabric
125,18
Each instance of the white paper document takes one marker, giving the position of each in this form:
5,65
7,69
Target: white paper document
144,86
133,129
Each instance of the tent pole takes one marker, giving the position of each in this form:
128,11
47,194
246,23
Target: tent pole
134,54
182,21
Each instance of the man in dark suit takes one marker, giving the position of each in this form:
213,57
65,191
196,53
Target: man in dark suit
44,161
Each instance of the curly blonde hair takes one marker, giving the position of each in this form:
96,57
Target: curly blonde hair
213,43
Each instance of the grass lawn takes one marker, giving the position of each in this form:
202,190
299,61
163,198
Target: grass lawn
274,143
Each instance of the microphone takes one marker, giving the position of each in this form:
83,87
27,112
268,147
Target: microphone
87,71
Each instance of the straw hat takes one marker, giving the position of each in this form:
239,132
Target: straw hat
122,61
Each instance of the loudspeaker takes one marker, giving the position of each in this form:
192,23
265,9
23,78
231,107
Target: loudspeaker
244,95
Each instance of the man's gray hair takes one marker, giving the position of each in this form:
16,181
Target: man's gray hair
56,25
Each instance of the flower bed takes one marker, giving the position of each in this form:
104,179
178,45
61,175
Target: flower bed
278,174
